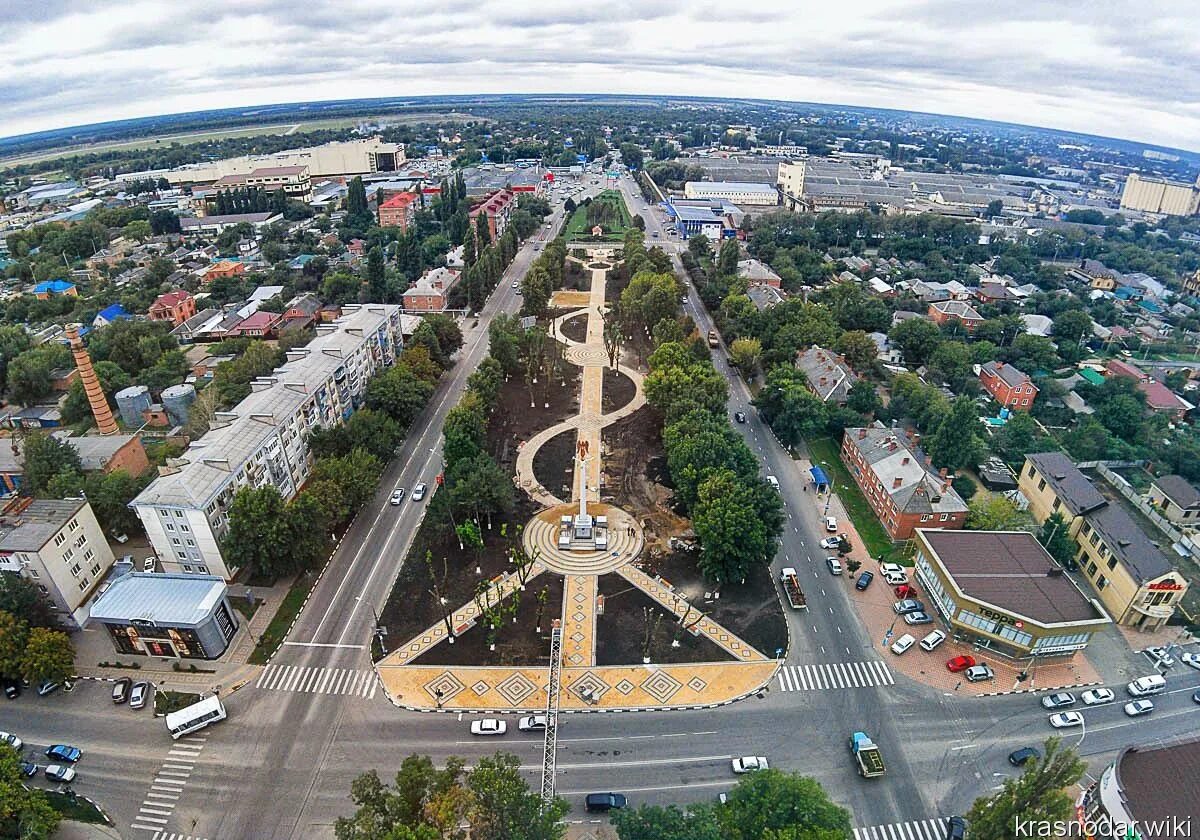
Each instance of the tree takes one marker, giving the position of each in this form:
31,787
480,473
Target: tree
951,362
988,512
733,537
699,444
916,338
859,350
356,475
399,394
786,806
29,373
477,485
21,596
260,537
137,229
425,804
956,442
14,633
1033,352
464,431
631,155
791,410
745,354
649,298
49,656
503,806
1122,415
654,822
1038,796
727,258
25,812
1018,437
1055,537
863,398
677,388
1072,325
109,494
446,330
376,276
994,208
483,233
46,457
356,198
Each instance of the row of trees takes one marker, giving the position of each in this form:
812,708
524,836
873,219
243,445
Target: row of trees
545,276
25,811
35,654
251,200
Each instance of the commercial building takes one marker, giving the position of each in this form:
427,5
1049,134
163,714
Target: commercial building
293,180
790,181
1001,592
1010,386
331,160
1132,577
738,192
1159,196
59,546
431,292
399,210
828,375
264,439
709,221
167,615
497,208
1149,789
896,480
1177,499
216,225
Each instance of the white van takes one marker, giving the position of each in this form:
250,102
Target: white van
773,481
1142,686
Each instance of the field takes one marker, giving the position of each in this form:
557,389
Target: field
578,227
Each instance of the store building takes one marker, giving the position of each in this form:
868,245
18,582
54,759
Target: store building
1002,592
1149,791
170,615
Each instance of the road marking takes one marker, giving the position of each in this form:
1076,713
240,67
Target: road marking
934,829
144,810
319,680
325,645
687,760
965,747
826,676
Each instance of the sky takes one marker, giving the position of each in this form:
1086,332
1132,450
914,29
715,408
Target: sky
1128,69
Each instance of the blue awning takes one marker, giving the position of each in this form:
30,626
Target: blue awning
819,477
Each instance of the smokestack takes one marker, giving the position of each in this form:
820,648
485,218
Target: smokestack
91,385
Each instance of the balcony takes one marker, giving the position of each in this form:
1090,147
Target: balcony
1155,610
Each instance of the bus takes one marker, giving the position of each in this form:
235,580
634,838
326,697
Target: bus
196,716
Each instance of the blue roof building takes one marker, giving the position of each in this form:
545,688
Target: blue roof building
109,314
47,288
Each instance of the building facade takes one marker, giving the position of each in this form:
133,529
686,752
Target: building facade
1133,578
737,192
1159,196
60,547
894,476
175,307
946,311
497,208
167,615
1010,387
264,439
293,180
399,210
431,292
1149,791
1001,592
1177,499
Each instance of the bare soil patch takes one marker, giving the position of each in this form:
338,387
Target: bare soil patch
634,626
618,390
576,328
554,462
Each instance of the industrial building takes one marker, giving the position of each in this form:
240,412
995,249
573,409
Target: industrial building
737,192
332,160
1160,196
264,439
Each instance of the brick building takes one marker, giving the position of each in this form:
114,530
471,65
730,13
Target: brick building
498,209
1010,386
399,211
955,310
431,293
176,307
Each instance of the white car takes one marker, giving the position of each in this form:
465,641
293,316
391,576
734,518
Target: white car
831,524
895,578
1066,720
397,496
1058,701
749,764
933,640
1139,707
1159,656
488,726
60,773
516,285
419,491
902,644
891,568
830,543
1192,660
12,740
1097,696
532,723
148,564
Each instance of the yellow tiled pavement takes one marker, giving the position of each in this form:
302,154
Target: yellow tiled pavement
579,620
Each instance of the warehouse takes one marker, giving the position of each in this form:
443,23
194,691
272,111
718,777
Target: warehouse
738,192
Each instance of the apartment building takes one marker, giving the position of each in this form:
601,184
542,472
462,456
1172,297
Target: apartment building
1010,386
498,209
399,211
264,439
1150,790
828,375
895,477
1133,578
59,546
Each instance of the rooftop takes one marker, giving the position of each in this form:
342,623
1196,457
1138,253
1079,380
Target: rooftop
1011,571
1159,782
828,375
893,459
163,599
95,451
1129,543
731,186
1009,374
31,527
1179,490
1068,483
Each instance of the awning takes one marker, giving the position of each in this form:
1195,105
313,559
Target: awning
819,477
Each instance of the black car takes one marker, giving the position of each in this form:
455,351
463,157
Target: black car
28,768
956,828
739,416
1017,758
864,580
1196,696
120,692
605,801
12,689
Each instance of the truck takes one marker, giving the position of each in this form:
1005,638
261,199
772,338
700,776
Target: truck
791,588
714,340
870,761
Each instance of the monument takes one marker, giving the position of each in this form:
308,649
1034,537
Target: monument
583,519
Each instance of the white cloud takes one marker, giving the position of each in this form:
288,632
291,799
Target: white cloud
1106,67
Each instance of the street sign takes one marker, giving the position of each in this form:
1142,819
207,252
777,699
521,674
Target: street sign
528,322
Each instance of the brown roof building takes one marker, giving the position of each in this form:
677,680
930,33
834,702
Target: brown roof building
1151,785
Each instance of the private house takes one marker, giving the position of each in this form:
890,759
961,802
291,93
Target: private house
110,314
1177,499
260,324
1158,396
431,292
176,307
223,268
54,288
955,310
1010,387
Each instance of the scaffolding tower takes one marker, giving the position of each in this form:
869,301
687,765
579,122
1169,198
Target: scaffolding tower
550,744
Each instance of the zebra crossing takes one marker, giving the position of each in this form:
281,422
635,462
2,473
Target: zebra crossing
935,829
834,675
349,682
174,836
167,787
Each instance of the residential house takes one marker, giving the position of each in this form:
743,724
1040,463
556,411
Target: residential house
110,314
764,296
301,312
894,477
431,292
1130,574
61,379
1010,386
260,324
1038,325
758,273
1177,499
884,349
223,268
54,288
954,310
828,375
1158,396
196,325
1096,274
176,307
1191,283
996,293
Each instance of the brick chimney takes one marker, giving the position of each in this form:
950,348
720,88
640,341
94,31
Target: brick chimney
91,385
896,482
862,433
904,461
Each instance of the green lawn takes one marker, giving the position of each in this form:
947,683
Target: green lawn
272,637
166,702
578,227
824,452
79,810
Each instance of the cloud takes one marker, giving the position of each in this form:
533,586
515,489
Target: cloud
1106,67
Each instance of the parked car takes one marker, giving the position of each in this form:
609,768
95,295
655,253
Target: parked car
532,723
739,416
148,564
64,752
904,590
1196,697
120,692
488,726
139,694
834,564
891,567
1139,707
831,524
934,639
830,543
1066,720
895,578
749,764
419,491
1159,656
908,605
864,580
1192,660
47,687
1096,696
956,828
397,496
902,644
1018,758
1058,701
915,619
60,773
979,673
605,801
12,689
960,663
12,740
28,768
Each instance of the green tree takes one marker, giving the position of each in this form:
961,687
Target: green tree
791,410
1122,415
655,822
109,494
356,475
14,341
483,233
956,442
356,198
858,349
745,354
137,229
649,298
424,804
14,633
477,485
49,655
863,398
916,338
733,536
464,431
1072,325
699,444
504,808
44,458
260,536
446,330
29,373
21,596
1018,437
1055,537
1033,353
376,275
727,258
988,512
1039,795
677,388
787,806
951,362
399,394
631,155
25,812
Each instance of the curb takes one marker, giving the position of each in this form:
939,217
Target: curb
311,590
1038,690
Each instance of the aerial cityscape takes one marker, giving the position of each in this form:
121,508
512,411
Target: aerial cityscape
544,423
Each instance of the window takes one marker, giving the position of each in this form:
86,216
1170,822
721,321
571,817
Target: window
96,569
1112,563
75,570
1031,471
79,542
178,514
169,526
945,516
181,555
59,539
184,528
73,524
202,569
162,512
89,554
925,517
32,572
68,554
1101,582
186,567
175,541
83,585
1091,569
1057,503
1042,484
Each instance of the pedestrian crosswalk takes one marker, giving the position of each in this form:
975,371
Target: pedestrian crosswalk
350,682
167,787
167,835
834,675
912,830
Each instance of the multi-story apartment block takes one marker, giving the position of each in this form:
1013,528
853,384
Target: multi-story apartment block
1132,577
264,439
399,210
59,546
498,209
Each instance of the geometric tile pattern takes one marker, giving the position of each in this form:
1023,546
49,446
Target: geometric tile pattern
516,688
589,687
661,686
448,684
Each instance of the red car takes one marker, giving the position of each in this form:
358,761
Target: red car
960,663
905,590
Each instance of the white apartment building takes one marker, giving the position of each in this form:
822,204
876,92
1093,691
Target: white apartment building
58,545
737,192
785,151
264,439
790,180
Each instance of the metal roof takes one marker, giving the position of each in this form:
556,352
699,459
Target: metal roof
164,599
